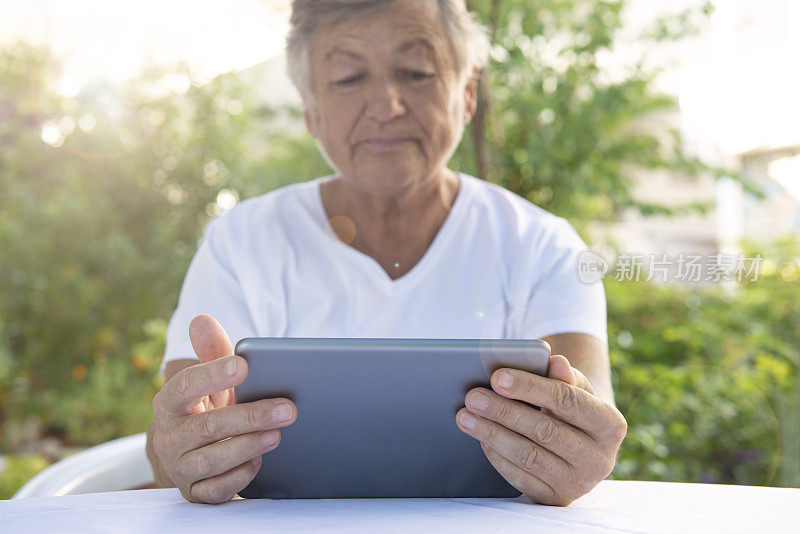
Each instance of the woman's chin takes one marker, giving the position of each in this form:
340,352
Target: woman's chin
389,178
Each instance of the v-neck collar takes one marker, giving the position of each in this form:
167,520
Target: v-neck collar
434,250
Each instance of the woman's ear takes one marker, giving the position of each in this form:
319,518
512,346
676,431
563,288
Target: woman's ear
311,119
471,95
311,115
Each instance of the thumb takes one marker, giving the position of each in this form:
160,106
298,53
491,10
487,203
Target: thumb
209,339
560,369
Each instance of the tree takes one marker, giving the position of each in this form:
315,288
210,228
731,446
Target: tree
103,198
554,128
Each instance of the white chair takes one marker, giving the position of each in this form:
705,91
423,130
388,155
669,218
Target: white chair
120,464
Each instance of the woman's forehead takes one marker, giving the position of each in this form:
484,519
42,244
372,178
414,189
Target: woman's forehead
418,46
403,28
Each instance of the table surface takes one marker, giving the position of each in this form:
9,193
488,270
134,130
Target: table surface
613,506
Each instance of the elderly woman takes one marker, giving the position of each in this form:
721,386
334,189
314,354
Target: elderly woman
392,245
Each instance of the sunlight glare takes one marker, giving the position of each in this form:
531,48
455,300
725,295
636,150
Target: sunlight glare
786,171
226,199
66,125
114,40
87,122
51,134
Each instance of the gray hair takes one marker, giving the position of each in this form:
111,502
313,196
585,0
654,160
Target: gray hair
468,37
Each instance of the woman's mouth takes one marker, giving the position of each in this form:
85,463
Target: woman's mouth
386,144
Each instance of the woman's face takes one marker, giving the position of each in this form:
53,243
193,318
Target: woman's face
388,107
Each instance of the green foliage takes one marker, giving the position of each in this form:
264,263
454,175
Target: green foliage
707,379
567,133
97,232
18,470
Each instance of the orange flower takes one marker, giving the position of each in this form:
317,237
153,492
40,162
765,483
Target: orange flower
79,372
139,361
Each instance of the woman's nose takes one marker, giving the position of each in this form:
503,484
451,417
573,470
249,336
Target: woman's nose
385,100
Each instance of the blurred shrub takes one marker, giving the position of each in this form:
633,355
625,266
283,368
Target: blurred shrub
17,471
103,198
555,125
708,378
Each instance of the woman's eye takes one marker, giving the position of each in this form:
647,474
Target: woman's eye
417,75
349,81
413,75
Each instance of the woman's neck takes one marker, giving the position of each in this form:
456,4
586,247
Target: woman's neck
395,228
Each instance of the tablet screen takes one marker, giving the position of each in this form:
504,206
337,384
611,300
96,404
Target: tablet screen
376,417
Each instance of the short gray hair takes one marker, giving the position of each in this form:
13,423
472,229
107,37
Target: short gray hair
468,37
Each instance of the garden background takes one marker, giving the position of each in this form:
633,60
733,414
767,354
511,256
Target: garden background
104,195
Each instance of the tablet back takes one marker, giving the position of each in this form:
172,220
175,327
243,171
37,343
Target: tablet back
376,417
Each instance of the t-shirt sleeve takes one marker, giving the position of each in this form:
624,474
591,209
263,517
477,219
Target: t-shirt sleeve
210,287
559,301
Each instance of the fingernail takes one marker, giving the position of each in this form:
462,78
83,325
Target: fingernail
230,366
479,401
282,412
269,438
468,420
505,379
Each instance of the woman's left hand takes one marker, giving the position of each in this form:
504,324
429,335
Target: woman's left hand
557,454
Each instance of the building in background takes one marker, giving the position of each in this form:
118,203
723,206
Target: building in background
737,86
777,172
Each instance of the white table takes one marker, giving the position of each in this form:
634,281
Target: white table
613,506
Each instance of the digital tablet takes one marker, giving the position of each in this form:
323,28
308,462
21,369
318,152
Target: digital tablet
376,417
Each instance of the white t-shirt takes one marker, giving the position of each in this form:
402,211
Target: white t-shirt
499,267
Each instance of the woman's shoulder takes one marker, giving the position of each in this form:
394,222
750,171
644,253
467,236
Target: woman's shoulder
533,243
516,215
274,210
275,202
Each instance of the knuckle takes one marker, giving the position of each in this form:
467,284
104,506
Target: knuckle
606,468
567,397
621,429
209,426
545,430
617,428
256,417
183,383
490,434
531,459
503,410
528,386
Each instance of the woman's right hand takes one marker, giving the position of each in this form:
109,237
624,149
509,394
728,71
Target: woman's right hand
209,446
